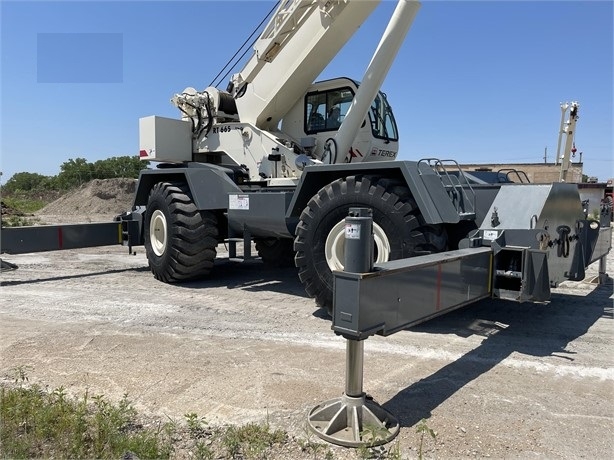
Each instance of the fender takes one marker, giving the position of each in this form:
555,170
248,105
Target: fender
210,184
424,184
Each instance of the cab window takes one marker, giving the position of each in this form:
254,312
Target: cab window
325,110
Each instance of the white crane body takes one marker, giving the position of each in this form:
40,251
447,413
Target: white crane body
264,122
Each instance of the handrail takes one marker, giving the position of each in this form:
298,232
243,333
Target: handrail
456,183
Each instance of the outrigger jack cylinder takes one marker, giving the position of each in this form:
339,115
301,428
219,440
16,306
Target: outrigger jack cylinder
353,420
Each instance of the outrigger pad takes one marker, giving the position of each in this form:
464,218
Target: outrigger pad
353,422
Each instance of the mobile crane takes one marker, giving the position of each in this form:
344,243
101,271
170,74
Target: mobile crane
265,147
279,160
568,128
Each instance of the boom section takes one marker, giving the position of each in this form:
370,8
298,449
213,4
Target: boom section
297,44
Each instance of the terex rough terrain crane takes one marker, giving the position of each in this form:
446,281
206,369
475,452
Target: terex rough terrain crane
279,160
277,156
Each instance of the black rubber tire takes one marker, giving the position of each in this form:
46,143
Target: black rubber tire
186,249
394,210
275,252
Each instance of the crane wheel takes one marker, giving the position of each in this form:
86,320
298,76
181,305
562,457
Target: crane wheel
275,252
398,227
180,240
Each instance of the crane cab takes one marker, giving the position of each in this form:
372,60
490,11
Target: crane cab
317,116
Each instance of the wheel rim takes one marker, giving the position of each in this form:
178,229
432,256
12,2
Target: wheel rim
158,232
334,249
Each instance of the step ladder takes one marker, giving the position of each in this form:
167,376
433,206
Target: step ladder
456,184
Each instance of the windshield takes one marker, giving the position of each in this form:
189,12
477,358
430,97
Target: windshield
326,110
383,124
